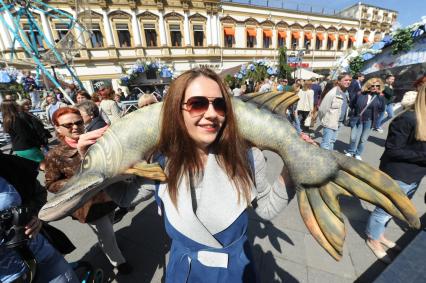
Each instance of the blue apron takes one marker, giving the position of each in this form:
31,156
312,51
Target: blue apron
185,254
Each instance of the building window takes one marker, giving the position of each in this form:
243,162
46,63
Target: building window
175,35
150,35
295,39
318,42
282,34
341,42
229,36
267,38
351,41
96,37
251,37
61,30
33,36
330,41
123,33
198,35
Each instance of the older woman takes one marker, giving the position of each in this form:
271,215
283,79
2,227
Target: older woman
146,99
62,162
404,159
365,111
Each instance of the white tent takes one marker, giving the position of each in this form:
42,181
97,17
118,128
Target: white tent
305,74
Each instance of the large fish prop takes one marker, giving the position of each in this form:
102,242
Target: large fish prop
320,176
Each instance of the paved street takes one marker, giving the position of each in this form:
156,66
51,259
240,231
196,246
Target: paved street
284,250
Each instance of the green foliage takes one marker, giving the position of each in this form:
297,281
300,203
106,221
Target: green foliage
284,70
230,80
356,65
13,88
402,41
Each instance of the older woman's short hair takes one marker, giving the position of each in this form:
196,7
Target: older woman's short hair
373,81
89,107
146,99
23,101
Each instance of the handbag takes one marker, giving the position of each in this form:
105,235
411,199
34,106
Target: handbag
308,120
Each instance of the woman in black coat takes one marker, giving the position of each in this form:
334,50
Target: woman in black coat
404,160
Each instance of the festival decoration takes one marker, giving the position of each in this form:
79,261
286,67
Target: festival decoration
140,67
256,70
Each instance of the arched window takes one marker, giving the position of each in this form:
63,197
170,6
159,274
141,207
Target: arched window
60,23
198,26
149,25
93,21
174,24
228,24
34,38
121,25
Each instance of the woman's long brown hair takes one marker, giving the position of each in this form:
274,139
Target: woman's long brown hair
182,156
10,112
420,108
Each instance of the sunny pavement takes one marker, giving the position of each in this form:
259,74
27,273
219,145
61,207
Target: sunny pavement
283,249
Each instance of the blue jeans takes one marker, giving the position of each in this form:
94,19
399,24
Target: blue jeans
379,218
329,137
381,119
359,135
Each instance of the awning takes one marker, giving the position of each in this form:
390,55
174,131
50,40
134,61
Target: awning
295,34
320,35
282,33
342,37
352,38
251,32
267,33
229,31
332,37
308,35
365,39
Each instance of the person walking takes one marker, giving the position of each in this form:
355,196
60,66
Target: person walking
365,112
332,111
388,97
305,105
404,159
62,162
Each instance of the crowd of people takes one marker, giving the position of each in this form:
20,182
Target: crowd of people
204,146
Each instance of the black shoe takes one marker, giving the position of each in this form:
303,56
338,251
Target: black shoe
124,268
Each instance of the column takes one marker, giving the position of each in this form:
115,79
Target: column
46,28
11,24
218,31
302,40
214,30
324,42
107,28
372,35
5,36
186,29
274,38
209,30
163,37
288,40
259,37
314,40
78,31
240,36
359,38
136,30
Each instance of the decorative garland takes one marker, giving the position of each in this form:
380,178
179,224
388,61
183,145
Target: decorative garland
256,70
140,67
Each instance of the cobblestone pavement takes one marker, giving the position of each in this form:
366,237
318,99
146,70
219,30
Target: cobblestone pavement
284,250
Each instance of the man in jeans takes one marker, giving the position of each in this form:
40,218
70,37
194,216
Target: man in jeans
388,96
332,110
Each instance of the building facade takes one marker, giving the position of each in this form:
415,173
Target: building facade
191,33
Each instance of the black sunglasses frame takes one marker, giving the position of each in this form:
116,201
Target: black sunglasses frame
70,125
217,102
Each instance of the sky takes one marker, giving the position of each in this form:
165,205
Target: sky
410,11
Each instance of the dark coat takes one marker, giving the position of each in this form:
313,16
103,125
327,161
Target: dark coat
95,124
404,158
354,89
63,162
22,135
359,102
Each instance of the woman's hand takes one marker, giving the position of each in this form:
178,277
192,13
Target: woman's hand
33,227
87,139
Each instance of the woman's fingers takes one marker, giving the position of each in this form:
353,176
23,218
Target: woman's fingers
87,139
33,227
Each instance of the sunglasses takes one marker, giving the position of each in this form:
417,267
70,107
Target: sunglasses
198,105
68,126
378,86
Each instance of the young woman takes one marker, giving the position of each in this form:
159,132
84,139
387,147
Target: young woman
109,109
25,139
213,177
404,160
365,111
62,162
305,105
82,95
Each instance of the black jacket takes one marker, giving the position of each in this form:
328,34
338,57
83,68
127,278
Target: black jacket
359,102
95,124
22,134
404,158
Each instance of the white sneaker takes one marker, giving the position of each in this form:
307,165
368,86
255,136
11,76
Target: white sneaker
380,130
348,154
358,157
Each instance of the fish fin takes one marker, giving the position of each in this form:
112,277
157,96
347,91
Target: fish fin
151,171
